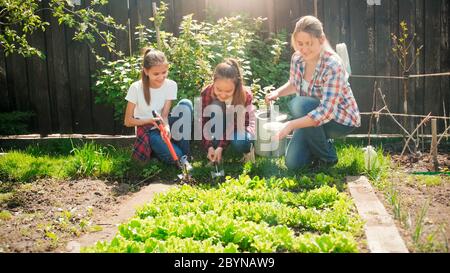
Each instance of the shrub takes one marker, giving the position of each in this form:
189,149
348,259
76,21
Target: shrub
193,55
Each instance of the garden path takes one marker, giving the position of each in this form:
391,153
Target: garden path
110,222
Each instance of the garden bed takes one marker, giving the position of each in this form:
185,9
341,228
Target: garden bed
43,207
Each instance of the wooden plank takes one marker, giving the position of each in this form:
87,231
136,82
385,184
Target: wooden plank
331,21
362,55
306,7
283,16
38,85
393,96
139,13
420,63
170,24
238,7
407,13
17,80
4,102
188,7
344,17
381,233
432,55
118,10
445,62
200,13
321,8
383,64
102,115
294,15
58,76
220,8
123,41
79,80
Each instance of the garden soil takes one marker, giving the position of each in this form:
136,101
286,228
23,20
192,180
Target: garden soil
415,197
61,216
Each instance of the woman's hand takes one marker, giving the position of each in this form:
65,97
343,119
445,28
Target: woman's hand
272,96
284,132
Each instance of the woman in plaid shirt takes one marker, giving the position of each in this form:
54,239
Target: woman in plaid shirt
324,107
228,113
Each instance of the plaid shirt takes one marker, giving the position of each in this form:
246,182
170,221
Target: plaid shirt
250,119
330,85
142,150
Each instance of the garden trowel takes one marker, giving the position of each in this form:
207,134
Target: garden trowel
182,162
216,173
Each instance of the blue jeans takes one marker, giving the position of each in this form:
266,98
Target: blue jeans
241,141
181,147
312,143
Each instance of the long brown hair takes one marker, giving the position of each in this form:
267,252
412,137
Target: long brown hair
230,69
313,26
151,57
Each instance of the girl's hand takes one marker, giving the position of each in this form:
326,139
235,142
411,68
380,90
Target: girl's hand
283,133
153,121
215,155
167,127
218,154
211,154
271,96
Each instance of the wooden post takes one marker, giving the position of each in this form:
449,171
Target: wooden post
158,39
271,14
405,103
434,148
315,8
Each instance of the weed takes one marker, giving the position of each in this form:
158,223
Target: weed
5,215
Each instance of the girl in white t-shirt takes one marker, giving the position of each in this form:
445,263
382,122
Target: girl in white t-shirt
155,92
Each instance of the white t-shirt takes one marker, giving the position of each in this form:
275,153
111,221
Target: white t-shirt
168,91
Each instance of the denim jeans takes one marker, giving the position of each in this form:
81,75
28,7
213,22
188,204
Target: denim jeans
181,147
240,141
312,143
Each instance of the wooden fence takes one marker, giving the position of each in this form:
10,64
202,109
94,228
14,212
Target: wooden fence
58,89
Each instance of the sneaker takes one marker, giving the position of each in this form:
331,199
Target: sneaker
250,156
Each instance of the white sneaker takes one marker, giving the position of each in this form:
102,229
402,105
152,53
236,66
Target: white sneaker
250,156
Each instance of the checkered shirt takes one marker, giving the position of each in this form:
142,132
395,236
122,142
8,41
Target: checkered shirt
330,85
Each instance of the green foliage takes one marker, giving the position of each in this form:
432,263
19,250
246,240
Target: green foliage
402,44
19,19
241,215
89,160
193,55
17,166
14,123
113,81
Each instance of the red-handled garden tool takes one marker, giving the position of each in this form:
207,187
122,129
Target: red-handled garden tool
182,162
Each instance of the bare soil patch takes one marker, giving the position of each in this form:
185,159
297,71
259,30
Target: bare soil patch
45,215
420,204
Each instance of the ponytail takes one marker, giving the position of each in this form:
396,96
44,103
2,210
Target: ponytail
151,57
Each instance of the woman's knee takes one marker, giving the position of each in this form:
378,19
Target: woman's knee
300,106
294,163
